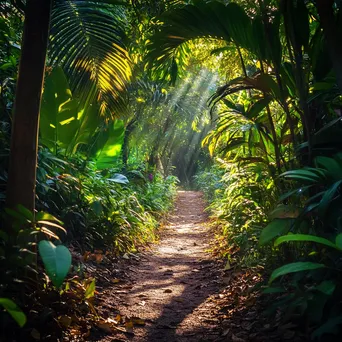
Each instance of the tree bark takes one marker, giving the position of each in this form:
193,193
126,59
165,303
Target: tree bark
24,139
332,35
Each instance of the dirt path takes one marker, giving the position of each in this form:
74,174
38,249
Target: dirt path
170,287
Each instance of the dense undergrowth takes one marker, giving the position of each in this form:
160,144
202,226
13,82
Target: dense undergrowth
96,213
124,107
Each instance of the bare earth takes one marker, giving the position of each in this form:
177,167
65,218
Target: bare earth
170,288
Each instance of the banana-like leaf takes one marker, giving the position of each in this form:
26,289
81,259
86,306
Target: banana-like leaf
293,268
87,40
58,114
109,145
62,124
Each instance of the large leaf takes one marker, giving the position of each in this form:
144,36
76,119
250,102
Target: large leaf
63,124
57,261
293,268
110,144
304,238
58,114
87,40
273,229
13,310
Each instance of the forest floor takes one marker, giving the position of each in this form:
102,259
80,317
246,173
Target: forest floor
177,290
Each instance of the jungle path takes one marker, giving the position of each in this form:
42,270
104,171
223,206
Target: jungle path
172,287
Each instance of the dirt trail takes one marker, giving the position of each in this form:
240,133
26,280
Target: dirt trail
170,287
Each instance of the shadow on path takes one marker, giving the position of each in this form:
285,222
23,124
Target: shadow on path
172,286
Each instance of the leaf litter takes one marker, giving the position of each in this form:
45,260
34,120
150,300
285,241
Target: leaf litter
176,291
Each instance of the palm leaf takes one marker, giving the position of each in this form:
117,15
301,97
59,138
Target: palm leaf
168,47
87,41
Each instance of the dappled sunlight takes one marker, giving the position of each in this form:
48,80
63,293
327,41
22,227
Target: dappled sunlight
170,283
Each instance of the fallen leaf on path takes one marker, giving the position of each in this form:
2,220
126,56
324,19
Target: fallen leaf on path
116,280
105,326
138,321
129,327
65,321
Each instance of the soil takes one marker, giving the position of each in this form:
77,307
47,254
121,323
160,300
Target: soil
170,287
178,291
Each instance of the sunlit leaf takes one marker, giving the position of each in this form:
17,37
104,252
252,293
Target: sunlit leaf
304,238
273,229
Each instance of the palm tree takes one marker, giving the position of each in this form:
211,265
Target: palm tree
276,34
87,40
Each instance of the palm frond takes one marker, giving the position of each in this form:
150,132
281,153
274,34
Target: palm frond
87,40
213,19
168,49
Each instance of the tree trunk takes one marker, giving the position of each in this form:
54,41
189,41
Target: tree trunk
332,35
24,138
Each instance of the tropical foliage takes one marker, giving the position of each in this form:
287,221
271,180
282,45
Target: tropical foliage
242,98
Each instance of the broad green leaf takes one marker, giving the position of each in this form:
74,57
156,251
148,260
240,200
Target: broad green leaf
57,261
110,150
25,212
332,165
273,229
304,238
42,216
13,310
257,107
327,287
58,115
89,120
293,268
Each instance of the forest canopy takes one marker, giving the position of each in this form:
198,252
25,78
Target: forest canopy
106,107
